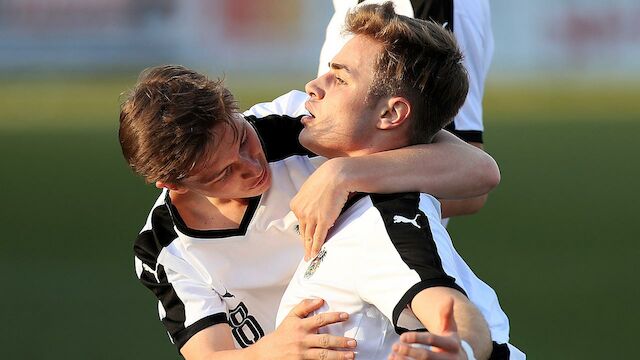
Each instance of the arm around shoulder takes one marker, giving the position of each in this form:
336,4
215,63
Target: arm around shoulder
447,168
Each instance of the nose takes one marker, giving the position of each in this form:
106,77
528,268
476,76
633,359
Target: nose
314,87
251,166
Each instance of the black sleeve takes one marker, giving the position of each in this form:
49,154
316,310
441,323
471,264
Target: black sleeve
279,135
466,135
440,11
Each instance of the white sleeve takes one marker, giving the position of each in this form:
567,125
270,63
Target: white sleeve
398,256
290,104
472,29
186,303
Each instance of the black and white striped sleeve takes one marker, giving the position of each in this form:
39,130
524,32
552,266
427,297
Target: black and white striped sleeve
400,257
185,305
472,29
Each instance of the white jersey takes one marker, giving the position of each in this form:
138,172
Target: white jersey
236,276
382,252
471,24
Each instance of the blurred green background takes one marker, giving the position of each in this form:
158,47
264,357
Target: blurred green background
558,240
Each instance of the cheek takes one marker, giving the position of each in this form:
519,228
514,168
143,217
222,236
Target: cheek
255,146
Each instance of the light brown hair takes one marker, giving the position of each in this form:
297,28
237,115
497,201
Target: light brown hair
167,121
420,60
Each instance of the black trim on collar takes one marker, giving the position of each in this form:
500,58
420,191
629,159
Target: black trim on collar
240,231
352,200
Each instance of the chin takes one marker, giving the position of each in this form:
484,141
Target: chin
308,141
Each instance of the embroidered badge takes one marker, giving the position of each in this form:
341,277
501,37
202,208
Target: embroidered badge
315,263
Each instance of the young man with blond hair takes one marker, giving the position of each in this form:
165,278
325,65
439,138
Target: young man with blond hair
388,261
470,22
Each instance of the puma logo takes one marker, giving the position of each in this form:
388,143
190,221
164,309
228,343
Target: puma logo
149,269
402,219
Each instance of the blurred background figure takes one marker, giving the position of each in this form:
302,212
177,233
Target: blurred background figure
557,240
534,38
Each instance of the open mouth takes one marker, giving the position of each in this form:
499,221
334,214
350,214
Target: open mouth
307,106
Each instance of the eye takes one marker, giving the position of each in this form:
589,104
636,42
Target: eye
225,175
340,81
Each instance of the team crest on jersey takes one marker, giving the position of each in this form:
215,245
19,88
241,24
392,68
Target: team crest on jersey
315,263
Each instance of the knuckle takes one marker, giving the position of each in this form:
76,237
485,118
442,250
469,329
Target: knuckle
324,341
324,354
320,319
403,350
411,337
424,338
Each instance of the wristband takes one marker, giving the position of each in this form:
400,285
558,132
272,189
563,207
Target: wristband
467,349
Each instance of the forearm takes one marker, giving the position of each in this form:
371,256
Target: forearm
469,206
448,168
471,325
235,354
473,329
216,343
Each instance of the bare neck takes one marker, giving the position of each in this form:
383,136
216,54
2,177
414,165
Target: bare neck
204,213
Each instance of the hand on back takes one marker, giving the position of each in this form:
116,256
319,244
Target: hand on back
297,336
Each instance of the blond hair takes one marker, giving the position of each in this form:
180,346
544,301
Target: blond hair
420,60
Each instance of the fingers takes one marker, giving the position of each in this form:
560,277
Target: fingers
448,321
326,354
305,307
319,237
450,344
317,321
309,230
393,356
327,341
407,352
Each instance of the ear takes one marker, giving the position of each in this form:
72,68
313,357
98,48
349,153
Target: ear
171,186
394,113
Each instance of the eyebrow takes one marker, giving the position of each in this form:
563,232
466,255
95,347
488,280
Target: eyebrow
337,66
219,173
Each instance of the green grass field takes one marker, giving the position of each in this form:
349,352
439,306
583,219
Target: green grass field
557,239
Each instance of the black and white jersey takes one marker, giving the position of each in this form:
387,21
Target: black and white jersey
470,21
203,278
382,251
